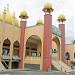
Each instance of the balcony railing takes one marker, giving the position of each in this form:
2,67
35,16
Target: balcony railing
32,58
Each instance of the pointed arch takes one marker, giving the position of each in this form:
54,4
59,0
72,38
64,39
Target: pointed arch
7,41
56,45
16,48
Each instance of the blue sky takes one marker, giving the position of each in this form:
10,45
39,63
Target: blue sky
34,9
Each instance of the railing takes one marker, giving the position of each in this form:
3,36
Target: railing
66,66
6,66
58,66
32,57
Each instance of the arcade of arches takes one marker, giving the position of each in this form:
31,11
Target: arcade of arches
6,56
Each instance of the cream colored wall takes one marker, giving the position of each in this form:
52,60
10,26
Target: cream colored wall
1,37
39,49
39,31
12,33
36,30
71,49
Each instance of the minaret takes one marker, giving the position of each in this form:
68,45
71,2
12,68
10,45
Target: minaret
61,20
4,14
13,20
23,22
47,42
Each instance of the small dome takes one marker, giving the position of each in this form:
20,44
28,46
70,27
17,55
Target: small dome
23,13
61,16
39,21
48,5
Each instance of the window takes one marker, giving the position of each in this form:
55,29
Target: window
33,49
5,51
34,53
27,48
74,55
16,52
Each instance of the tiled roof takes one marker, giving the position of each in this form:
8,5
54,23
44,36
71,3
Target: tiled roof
56,31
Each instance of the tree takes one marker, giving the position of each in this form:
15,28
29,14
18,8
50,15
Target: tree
73,42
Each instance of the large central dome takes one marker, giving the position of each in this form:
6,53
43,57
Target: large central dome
9,17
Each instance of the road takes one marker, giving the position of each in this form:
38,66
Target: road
15,72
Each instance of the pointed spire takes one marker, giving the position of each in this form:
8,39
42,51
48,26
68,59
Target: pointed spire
4,9
13,13
7,7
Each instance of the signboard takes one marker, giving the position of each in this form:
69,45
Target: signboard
53,52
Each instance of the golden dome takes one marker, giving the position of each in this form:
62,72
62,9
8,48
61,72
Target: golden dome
61,16
39,21
48,5
8,17
23,13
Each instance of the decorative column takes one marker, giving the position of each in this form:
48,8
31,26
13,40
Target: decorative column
23,22
10,53
47,42
61,20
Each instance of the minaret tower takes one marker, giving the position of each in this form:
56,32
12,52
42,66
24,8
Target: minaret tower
23,22
47,42
61,20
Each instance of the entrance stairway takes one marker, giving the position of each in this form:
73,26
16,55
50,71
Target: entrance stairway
1,67
61,66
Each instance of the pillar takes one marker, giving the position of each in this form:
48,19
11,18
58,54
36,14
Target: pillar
21,49
11,53
47,45
62,28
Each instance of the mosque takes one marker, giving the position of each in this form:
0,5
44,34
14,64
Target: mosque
31,47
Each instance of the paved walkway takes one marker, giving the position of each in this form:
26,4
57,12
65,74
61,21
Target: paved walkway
27,72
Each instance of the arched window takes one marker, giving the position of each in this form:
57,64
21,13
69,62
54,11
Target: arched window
6,47
16,48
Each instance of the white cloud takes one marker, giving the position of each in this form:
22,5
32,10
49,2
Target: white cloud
34,9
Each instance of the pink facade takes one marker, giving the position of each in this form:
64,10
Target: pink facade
21,49
62,28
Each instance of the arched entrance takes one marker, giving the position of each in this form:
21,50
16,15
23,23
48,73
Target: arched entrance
33,50
15,57
56,46
33,46
6,53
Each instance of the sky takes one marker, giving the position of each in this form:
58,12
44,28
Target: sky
34,10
